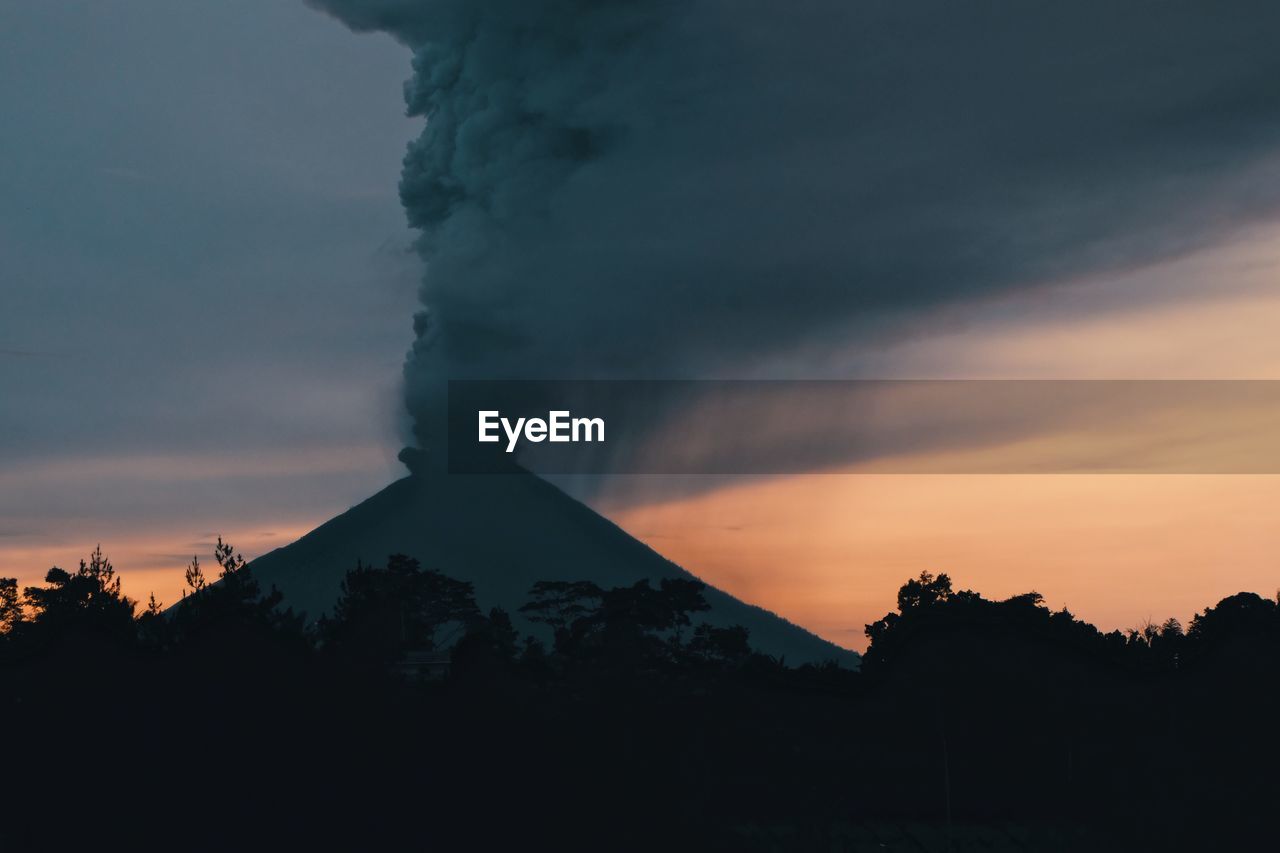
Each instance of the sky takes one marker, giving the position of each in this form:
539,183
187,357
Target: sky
214,263
206,279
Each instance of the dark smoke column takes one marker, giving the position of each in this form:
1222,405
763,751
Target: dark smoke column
760,188
519,97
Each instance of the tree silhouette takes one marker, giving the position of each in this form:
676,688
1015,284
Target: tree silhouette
997,722
1239,634
88,601
11,615
194,576
558,604
234,609
721,646
924,591
381,613
490,645
621,627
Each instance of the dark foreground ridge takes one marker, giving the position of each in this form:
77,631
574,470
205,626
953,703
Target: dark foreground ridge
503,533
412,718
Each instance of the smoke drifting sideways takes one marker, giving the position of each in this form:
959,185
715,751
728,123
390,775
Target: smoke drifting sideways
706,188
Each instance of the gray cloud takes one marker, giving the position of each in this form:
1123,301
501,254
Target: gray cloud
698,187
198,224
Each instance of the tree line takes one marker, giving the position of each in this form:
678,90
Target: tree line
624,720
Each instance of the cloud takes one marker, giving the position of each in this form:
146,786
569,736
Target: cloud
22,353
214,345
696,188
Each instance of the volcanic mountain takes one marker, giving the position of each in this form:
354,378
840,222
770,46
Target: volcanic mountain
502,533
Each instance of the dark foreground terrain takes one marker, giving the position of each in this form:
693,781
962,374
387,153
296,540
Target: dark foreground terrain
410,719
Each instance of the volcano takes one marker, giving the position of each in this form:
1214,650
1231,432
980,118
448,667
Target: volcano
502,533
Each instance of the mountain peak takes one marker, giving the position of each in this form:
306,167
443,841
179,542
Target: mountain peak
502,533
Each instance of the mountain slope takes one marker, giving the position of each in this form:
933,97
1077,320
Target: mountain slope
502,533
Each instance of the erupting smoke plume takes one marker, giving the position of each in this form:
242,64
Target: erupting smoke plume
707,188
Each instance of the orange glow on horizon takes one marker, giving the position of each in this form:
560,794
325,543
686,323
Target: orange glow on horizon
150,561
830,551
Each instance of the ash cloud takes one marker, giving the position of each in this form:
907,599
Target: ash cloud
699,188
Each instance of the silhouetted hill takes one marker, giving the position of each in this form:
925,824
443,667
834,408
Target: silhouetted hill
502,533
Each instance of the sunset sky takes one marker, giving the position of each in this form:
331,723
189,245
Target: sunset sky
207,285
